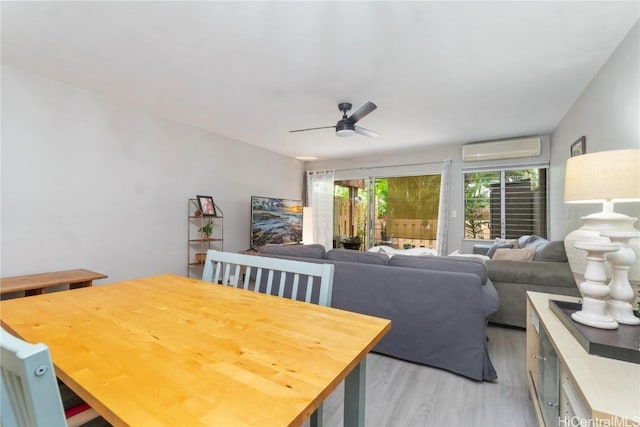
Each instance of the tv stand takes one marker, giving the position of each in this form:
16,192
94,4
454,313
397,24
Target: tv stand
569,386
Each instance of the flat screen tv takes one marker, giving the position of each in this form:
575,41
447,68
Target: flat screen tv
275,220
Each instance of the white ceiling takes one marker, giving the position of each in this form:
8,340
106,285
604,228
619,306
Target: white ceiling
440,72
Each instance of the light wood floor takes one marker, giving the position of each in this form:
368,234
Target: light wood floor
405,394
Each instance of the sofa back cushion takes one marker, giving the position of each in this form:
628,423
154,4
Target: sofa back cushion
301,251
443,263
552,252
349,255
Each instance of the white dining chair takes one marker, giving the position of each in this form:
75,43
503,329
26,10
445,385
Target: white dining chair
282,277
30,394
243,271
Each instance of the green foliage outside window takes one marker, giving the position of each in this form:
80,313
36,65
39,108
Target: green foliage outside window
476,203
477,198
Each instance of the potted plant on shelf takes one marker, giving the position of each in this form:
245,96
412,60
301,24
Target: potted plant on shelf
206,230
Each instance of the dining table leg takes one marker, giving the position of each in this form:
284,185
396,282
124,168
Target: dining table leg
316,418
354,395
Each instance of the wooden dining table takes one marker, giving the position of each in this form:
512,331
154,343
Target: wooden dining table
169,350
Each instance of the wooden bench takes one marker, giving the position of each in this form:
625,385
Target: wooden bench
35,284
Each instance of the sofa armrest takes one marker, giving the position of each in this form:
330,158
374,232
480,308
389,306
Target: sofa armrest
541,273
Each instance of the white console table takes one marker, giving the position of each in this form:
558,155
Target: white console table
568,386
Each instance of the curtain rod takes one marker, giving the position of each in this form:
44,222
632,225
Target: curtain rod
391,166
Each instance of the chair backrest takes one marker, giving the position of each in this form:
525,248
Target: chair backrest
30,394
264,273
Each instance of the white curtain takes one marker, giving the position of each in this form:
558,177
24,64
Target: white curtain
320,198
443,211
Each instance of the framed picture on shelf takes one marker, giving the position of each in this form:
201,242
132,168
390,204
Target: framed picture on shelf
207,207
579,147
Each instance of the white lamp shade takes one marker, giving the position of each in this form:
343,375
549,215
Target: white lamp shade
603,176
307,225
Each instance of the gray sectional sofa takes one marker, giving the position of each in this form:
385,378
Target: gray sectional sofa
438,305
548,272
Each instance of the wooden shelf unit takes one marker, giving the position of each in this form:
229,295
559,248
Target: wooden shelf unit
195,243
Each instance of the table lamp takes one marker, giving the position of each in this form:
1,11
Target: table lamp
605,177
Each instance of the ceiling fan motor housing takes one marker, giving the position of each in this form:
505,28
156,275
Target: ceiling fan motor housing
344,127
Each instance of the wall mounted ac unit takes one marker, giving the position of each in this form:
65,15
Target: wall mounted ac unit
507,149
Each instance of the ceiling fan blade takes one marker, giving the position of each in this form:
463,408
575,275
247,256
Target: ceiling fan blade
304,130
362,111
365,132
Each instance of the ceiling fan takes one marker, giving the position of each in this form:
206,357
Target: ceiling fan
347,125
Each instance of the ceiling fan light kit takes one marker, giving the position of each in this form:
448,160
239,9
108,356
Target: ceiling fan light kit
344,129
347,125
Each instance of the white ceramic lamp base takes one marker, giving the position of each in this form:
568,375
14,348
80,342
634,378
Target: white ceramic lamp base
620,292
593,226
594,290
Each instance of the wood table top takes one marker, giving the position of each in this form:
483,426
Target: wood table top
168,350
43,280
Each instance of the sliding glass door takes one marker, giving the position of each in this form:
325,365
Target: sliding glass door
350,213
401,212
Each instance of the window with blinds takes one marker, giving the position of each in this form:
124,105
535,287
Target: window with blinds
505,203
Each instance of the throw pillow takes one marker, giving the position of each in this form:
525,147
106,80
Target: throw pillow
512,241
524,254
532,241
501,244
349,255
417,251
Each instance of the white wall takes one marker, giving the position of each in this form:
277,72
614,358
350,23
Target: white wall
608,114
90,183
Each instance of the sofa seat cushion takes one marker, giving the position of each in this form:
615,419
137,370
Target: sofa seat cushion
349,255
299,251
443,263
531,273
